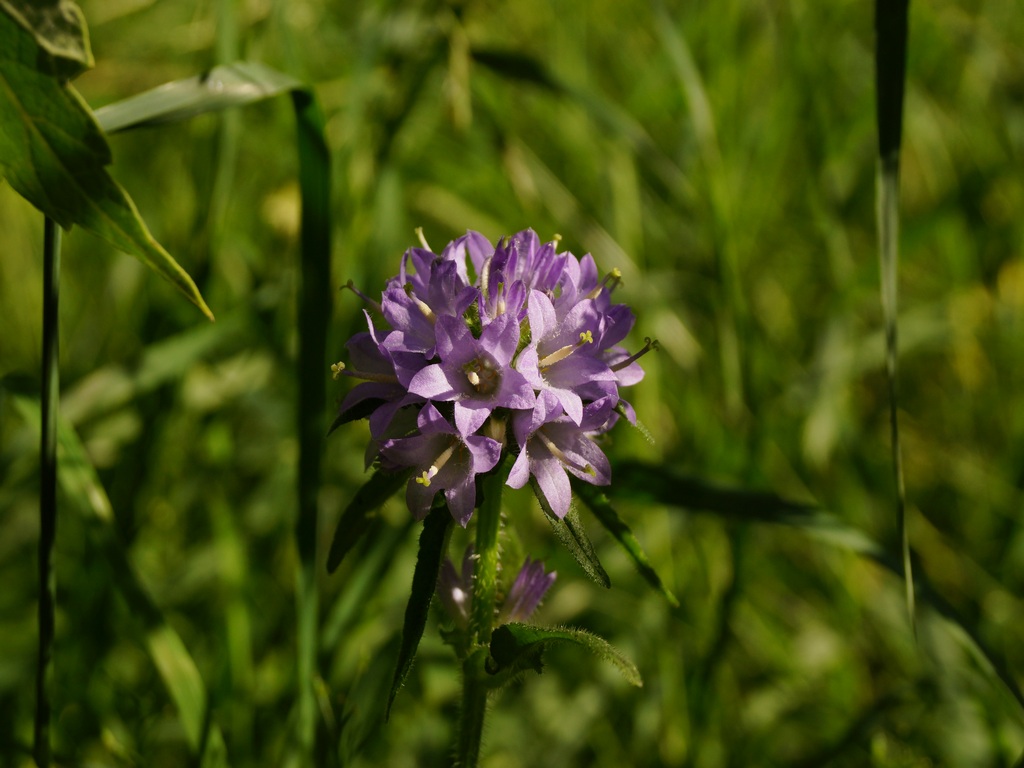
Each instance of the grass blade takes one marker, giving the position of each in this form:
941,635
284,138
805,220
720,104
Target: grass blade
433,544
48,487
314,311
598,503
223,87
890,73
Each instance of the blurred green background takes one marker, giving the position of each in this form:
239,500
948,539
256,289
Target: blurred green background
723,157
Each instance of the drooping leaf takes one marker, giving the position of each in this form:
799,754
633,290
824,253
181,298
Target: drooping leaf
519,648
598,503
358,515
59,29
53,153
573,536
223,87
433,544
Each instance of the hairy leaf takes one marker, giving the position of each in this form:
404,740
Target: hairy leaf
433,545
518,648
573,536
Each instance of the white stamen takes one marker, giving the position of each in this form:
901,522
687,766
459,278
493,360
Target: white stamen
420,304
423,240
558,454
586,337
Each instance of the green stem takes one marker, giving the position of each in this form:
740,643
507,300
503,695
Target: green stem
485,590
47,488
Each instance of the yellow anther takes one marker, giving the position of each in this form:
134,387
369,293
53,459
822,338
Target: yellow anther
424,479
336,369
557,237
616,273
586,337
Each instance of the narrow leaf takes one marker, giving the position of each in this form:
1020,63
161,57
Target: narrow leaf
59,30
573,536
53,153
890,73
609,518
358,515
230,85
433,545
518,647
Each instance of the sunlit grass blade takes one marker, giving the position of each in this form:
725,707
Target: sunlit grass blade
598,503
573,536
433,544
358,515
223,87
890,72
519,647
83,492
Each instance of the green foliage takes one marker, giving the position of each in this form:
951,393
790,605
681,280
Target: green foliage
767,401
53,153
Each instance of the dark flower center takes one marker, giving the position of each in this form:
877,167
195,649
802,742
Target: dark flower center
482,375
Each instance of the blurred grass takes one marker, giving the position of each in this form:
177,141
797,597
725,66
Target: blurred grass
191,428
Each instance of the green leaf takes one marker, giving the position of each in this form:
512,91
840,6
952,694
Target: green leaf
609,518
519,648
223,87
53,153
433,545
358,515
573,536
58,27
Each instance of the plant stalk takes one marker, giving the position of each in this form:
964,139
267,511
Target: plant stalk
47,489
485,590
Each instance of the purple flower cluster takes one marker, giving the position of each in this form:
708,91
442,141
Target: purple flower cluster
524,354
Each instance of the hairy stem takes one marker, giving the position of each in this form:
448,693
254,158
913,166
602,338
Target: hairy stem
485,588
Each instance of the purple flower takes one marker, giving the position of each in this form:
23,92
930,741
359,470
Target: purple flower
442,459
455,589
510,334
475,373
551,444
529,588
